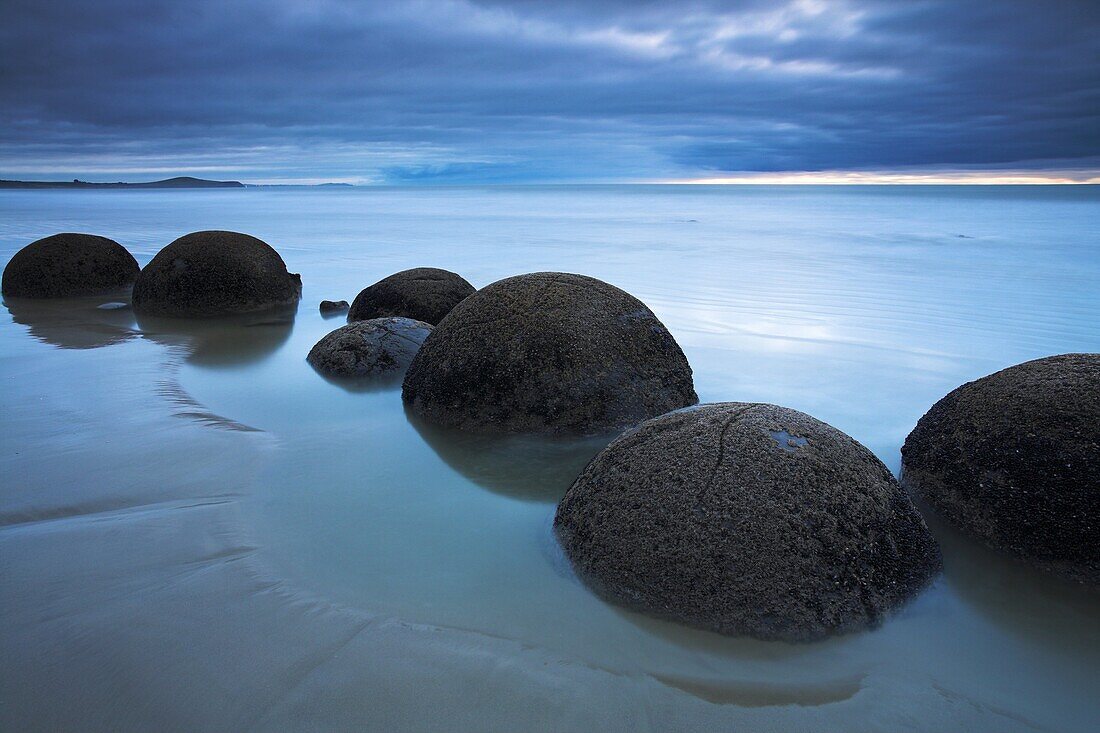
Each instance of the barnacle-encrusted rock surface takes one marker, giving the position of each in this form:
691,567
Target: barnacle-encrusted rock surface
1014,459
747,519
380,346
214,273
423,293
67,265
548,352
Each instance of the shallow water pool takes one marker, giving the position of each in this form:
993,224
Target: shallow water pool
198,531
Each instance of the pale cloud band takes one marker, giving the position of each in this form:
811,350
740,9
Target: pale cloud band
456,91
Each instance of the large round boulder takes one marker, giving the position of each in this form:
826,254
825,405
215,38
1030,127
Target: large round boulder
746,519
378,347
214,273
69,264
548,352
1014,459
423,293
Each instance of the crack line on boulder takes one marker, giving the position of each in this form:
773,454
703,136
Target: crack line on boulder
722,445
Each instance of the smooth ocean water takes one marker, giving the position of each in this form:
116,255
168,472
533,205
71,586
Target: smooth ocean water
199,532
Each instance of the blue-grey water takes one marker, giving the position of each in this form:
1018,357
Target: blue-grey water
198,532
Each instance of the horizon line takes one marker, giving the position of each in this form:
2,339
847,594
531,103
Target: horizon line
792,178
944,178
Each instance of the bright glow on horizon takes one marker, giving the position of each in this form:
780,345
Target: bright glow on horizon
840,178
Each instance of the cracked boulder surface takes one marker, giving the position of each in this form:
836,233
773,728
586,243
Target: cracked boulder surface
746,519
69,264
1013,458
213,273
424,293
548,352
378,347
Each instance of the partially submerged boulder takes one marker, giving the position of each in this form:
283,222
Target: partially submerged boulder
332,307
67,265
380,346
423,293
552,353
214,273
1014,459
746,519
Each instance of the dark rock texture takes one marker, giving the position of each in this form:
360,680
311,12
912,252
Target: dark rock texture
552,353
380,346
214,273
1014,459
67,265
746,519
423,293
331,307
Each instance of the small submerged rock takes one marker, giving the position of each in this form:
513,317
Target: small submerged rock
380,346
1014,459
746,519
67,265
548,352
423,293
333,307
214,273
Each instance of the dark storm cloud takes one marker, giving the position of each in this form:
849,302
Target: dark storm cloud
452,90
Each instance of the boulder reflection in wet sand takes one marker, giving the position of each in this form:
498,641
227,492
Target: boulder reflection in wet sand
227,341
75,323
526,467
1020,598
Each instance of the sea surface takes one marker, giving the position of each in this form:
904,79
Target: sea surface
198,532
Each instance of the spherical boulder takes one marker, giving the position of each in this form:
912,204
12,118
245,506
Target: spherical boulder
69,264
550,353
746,519
214,273
1014,459
423,293
380,346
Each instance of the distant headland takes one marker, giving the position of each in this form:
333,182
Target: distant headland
177,182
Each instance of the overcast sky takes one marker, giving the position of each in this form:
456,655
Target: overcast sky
453,91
